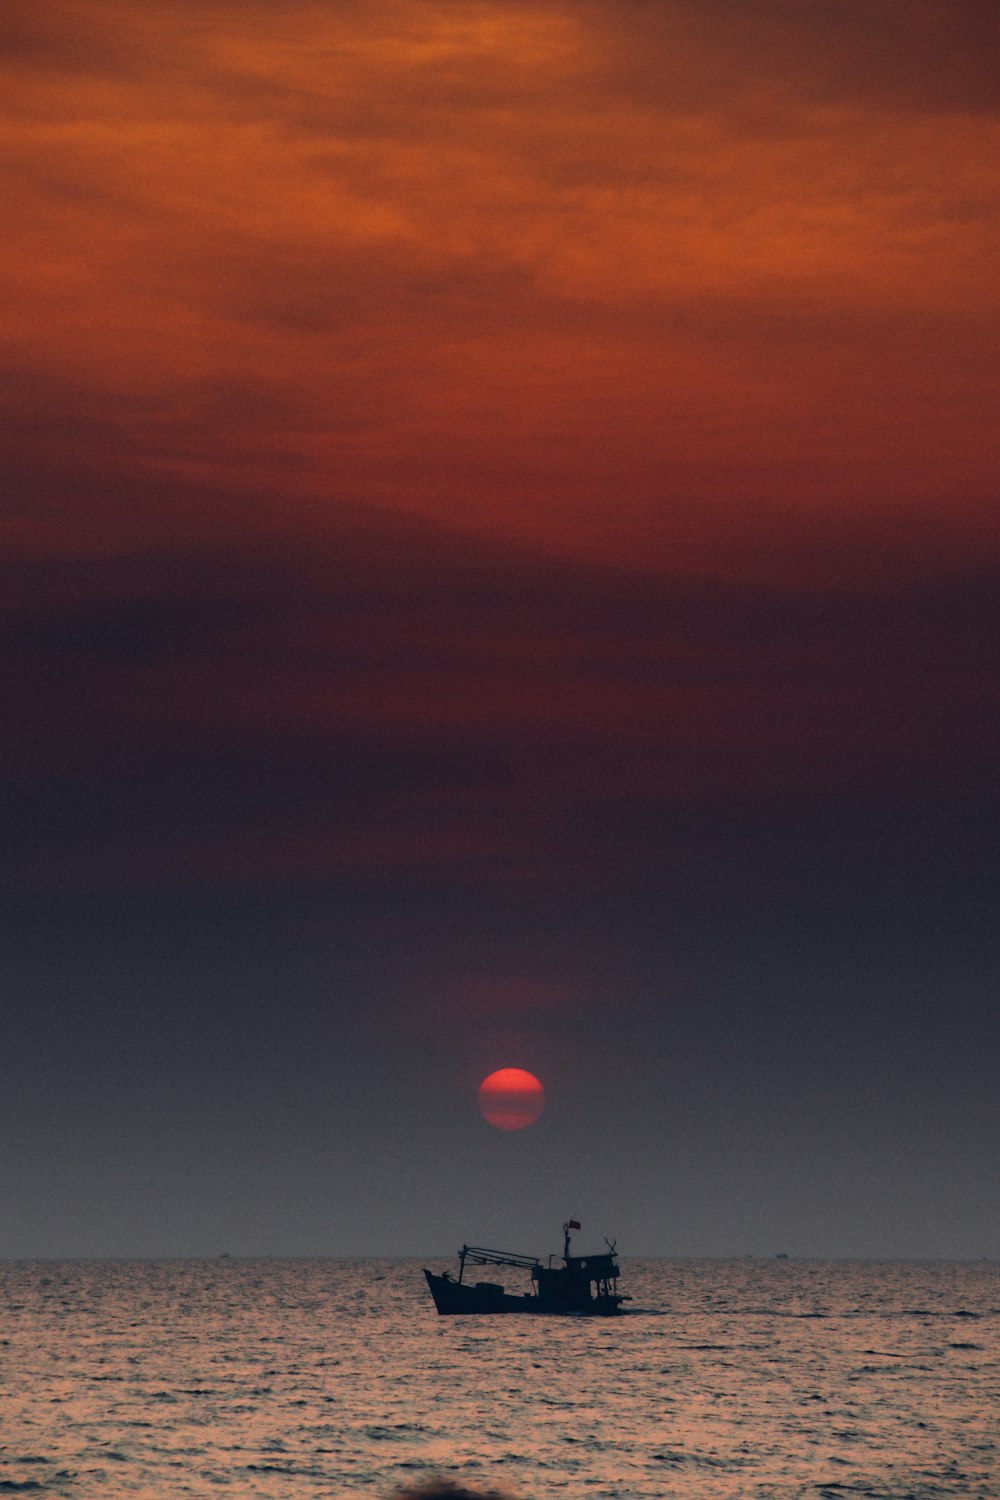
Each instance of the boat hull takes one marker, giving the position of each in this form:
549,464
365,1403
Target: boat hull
464,1298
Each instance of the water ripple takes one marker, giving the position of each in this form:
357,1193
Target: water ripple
748,1379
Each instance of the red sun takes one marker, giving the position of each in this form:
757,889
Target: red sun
510,1099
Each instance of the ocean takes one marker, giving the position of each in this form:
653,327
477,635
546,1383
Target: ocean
296,1379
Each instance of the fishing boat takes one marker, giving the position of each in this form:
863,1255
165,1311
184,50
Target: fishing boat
583,1286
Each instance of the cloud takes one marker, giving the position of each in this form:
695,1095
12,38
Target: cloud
487,264
929,55
550,409
405,700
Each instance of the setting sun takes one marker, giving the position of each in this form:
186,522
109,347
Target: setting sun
511,1099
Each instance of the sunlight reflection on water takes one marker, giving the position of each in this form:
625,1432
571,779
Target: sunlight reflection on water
299,1379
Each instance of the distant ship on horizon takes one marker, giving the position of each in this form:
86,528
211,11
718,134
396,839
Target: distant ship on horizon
583,1286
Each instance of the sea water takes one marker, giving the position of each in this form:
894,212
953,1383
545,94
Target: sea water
296,1379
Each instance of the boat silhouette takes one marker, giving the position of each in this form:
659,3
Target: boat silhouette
583,1286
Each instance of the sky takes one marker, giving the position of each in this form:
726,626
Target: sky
499,561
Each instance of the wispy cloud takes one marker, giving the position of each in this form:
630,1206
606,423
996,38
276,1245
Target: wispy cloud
633,280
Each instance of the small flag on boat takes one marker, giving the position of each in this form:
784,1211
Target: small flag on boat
573,1224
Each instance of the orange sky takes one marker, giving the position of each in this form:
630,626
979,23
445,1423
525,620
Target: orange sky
499,565
709,288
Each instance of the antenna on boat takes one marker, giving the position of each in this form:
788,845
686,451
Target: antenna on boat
610,1244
